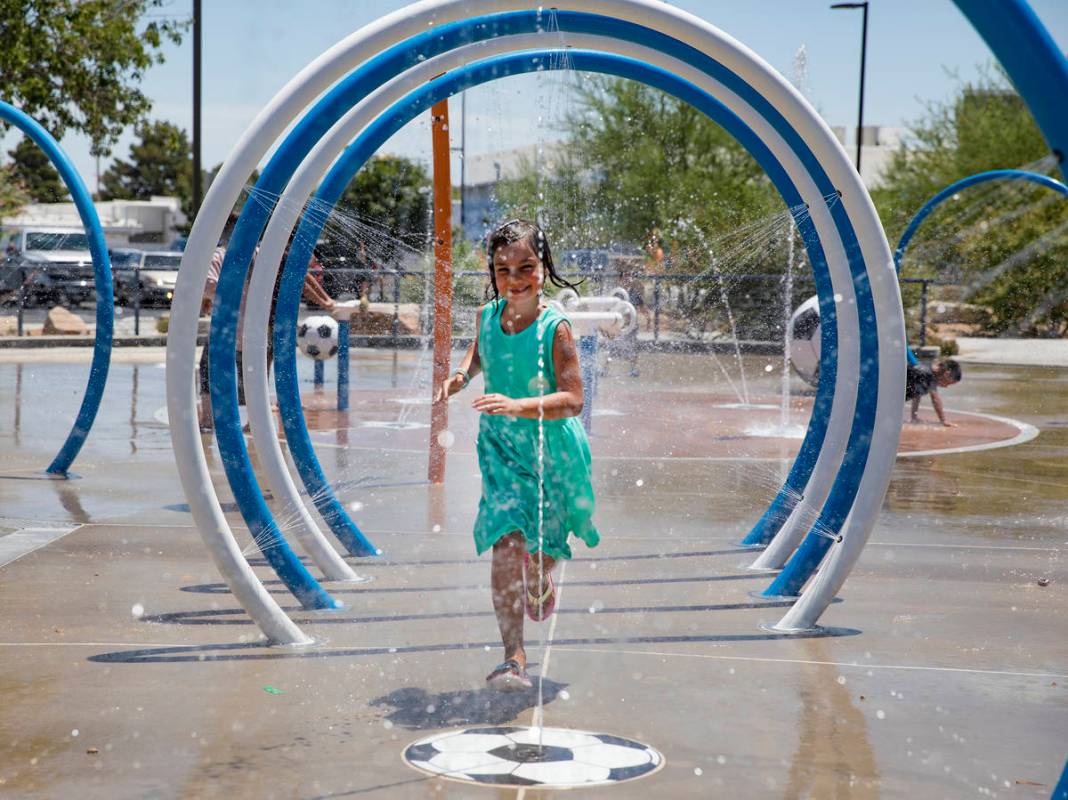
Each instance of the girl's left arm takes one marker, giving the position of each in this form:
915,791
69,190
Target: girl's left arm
565,402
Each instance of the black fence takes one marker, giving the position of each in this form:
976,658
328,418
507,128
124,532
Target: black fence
702,307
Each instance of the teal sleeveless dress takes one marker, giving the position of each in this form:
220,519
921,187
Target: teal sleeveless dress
508,446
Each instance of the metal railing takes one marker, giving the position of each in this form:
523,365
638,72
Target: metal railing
675,306
924,283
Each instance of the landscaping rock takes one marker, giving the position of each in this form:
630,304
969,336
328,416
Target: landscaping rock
377,319
945,311
61,322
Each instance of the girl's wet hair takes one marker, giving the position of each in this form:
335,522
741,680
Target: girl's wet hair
519,230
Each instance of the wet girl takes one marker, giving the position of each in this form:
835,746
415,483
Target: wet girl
532,449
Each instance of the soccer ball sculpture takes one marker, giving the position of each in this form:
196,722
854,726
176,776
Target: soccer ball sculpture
514,756
317,337
805,341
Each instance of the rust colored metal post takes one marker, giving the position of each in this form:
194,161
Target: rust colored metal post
439,412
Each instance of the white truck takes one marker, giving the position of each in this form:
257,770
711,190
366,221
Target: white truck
52,263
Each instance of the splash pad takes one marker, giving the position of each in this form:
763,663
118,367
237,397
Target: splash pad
845,459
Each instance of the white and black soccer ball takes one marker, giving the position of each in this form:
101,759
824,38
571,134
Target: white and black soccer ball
805,341
317,337
514,756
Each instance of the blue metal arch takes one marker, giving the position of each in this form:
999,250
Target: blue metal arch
1034,63
105,298
1039,71
1005,25
810,448
981,177
396,59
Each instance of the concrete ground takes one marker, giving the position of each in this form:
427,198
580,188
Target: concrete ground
130,672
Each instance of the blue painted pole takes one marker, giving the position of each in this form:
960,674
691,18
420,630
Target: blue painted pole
343,365
587,349
105,298
318,374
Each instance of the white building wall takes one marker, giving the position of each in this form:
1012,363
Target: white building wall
154,221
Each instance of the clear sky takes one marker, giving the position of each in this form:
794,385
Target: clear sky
253,47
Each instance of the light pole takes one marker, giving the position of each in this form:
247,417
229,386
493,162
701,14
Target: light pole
197,188
863,54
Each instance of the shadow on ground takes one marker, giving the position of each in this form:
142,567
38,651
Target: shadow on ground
239,651
418,709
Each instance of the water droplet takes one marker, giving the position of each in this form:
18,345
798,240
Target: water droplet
564,693
880,714
355,505
768,368
138,610
436,529
639,482
74,732
721,759
697,771
446,439
841,680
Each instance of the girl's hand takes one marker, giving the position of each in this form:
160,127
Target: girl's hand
496,404
448,388
444,391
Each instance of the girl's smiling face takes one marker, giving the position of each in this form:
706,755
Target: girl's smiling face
518,272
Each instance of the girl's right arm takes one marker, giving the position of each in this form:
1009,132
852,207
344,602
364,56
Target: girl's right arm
469,364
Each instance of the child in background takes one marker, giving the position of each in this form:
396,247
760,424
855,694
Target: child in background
533,386
921,379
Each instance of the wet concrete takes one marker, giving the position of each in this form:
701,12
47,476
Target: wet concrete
949,677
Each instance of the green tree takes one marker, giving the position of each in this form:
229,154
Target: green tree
31,167
635,159
76,65
386,207
161,163
637,165
1003,245
986,125
12,196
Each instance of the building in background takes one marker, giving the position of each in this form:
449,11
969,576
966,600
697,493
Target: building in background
126,222
878,143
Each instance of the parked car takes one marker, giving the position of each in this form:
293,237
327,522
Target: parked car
124,262
56,262
12,276
154,271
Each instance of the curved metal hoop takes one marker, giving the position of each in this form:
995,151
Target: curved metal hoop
856,480
105,298
957,186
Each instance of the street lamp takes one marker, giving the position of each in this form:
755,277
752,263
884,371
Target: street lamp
197,188
863,53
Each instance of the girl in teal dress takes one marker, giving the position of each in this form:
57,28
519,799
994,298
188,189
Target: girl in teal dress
532,449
